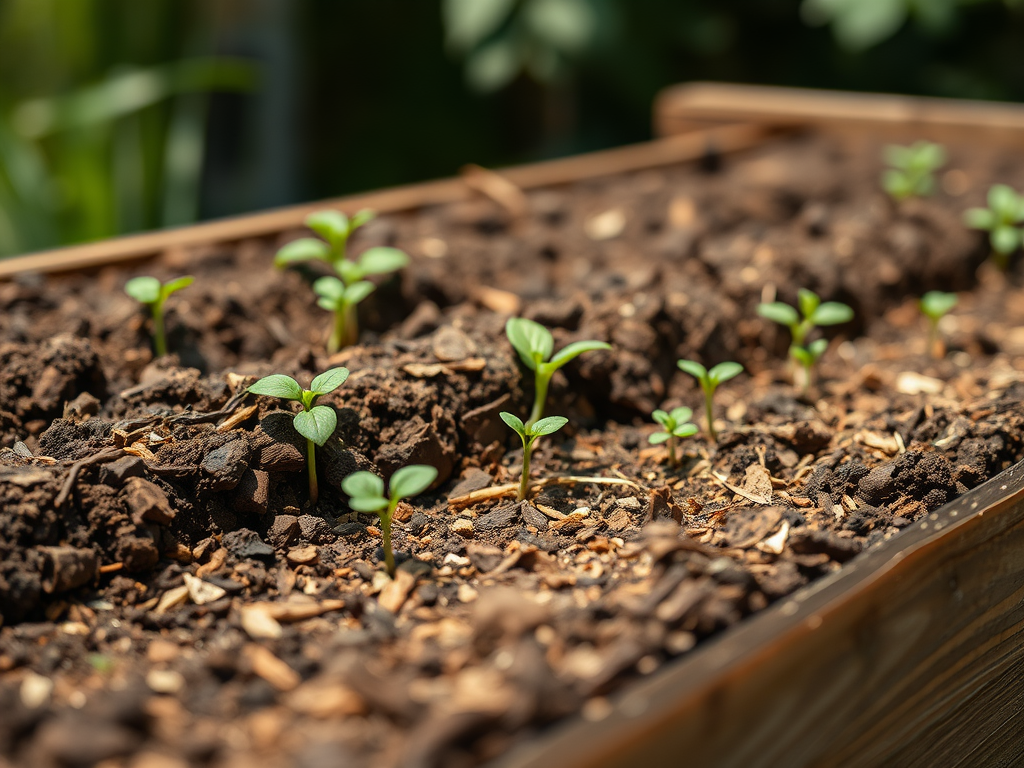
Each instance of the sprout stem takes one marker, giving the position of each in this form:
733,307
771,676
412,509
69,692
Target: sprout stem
709,413
351,325
337,339
524,482
539,398
314,490
385,535
934,342
159,340
672,459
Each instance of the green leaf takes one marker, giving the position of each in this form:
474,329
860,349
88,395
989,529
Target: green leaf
832,313
367,503
411,480
979,218
574,350
808,301
145,290
928,156
935,304
685,430
802,356
359,218
277,385
332,226
350,271
896,156
514,422
531,340
316,424
356,292
330,290
724,372
662,418
896,183
303,249
681,414
363,485
1003,201
780,313
695,369
1005,240
328,381
172,286
817,348
468,23
381,260
547,425
658,438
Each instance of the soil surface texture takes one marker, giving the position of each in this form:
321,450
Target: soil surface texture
170,598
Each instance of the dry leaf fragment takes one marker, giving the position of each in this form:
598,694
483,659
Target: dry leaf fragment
776,543
202,592
171,599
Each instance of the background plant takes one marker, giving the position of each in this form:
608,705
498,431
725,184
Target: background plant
534,345
153,293
529,433
676,424
709,381
934,306
912,171
1001,219
366,494
342,300
314,422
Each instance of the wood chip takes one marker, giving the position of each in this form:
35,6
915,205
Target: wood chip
776,543
397,591
258,623
496,300
237,417
202,592
271,668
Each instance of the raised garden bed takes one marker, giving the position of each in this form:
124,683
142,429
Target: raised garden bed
169,593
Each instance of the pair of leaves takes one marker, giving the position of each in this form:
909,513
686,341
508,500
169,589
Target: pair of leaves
809,355
1005,211
314,422
935,304
374,261
149,290
920,157
815,312
535,344
676,423
366,490
335,295
334,227
545,426
710,380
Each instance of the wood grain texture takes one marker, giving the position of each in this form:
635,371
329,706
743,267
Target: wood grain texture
911,656
666,151
693,106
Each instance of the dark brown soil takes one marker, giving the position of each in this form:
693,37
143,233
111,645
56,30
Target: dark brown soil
168,597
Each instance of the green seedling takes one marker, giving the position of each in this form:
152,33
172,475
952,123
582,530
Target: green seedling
529,433
534,344
676,424
709,381
342,301
314,422
334,227
1001,219
366,494
934,305
153,293
815,313
912,169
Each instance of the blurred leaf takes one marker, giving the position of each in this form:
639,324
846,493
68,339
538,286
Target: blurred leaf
468,23
493,66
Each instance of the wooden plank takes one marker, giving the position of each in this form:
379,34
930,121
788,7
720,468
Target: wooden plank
693,106
666,151
909,656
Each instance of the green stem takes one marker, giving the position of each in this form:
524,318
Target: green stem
672,459
524,482
337,339
934,348
385,535
351,325
710,414
159,340
314,490
541,382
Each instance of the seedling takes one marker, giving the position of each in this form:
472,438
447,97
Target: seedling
709,381
153,293
911,174
334,227
934,305
535,344
529,433
366,492
815,313
342,301
676,424
314,422
1005,211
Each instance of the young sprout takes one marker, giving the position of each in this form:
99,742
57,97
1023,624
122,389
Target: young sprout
535,344
934,305
912,169
366,492
342,300
334,227
709,381
314,422
150,291
1005,211
676,424
529,433
815,313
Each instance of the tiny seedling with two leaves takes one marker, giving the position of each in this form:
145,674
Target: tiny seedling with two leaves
675,425
366,494
153,293
529,433
314,422
912,169
1002,220
934,306
709,381
815,313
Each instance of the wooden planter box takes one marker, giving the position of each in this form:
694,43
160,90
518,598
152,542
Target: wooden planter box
908,656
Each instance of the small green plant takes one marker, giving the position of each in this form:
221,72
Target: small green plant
1001,219
934,305
314,422
676,424
912,169
529,433
366,494
534,344
334,227
153,293
815,313
342,301
709,381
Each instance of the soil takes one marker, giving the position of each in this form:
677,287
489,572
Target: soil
168,597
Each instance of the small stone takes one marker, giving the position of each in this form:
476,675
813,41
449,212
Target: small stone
164,681
116,473
281,457
162,651
35,690
283,530
467,594
315,529
451,344
226,465
245,543
500,518
484,557
253,492
463,527
303,555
